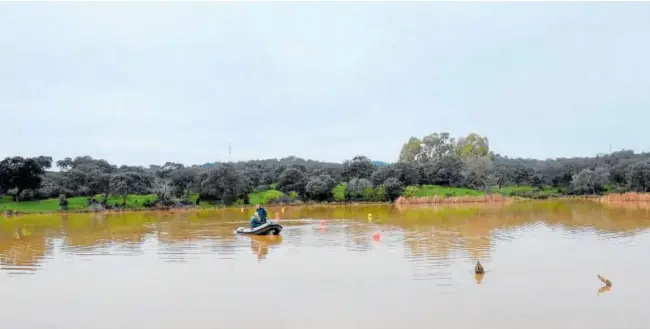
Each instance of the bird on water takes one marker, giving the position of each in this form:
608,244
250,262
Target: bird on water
478,269
604,280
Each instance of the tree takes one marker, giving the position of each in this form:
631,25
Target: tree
86,176
382,173
44,162
4,178
476,171
292,180
128,182
225,184
407,173
393,188
447,171
182,179
473,145
328,181
521,174
52,185
359,167
21,174
100,182
638,176
317,190
168,168
356,188
65,164
436,146
590,181
438,159
410,150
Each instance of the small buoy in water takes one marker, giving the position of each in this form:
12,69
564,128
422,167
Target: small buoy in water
242,209
376,236
323,222
370,217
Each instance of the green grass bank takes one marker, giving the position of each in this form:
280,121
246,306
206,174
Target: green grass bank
135,202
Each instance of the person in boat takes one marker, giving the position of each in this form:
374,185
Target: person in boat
255,220
261,212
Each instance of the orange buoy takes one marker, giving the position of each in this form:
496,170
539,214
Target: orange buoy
376,236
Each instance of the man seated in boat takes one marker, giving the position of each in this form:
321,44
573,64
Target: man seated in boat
261,212
255,220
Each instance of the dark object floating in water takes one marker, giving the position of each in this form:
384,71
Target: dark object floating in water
478,269
269,228
604,280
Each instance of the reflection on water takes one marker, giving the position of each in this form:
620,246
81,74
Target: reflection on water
479,277
260,244
604,289
332,267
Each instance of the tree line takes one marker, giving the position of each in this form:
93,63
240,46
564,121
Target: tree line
435,159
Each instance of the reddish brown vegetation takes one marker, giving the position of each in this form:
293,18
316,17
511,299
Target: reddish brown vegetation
626,197
495,198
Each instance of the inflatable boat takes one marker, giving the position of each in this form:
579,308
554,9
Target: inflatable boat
269,228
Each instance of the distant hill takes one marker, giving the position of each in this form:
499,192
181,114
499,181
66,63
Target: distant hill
288,161
380,163
291,160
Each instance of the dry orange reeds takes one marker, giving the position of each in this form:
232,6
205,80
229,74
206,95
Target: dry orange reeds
626,197
456,199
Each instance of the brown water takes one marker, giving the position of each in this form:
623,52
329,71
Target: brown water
188,270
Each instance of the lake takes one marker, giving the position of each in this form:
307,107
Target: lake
327,271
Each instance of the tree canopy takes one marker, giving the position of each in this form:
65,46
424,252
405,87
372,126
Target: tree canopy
434,159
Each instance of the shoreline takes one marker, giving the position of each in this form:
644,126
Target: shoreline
625,198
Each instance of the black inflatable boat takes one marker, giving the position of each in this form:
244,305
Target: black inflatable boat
269,228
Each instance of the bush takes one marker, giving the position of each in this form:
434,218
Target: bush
619,190
380,193
96,207
63,202
339,192
282,199
369,194
411,191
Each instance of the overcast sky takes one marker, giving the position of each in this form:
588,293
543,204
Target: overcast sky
153,82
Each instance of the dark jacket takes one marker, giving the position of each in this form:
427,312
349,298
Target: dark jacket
262,213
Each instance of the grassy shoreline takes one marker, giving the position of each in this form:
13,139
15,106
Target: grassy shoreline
427,194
